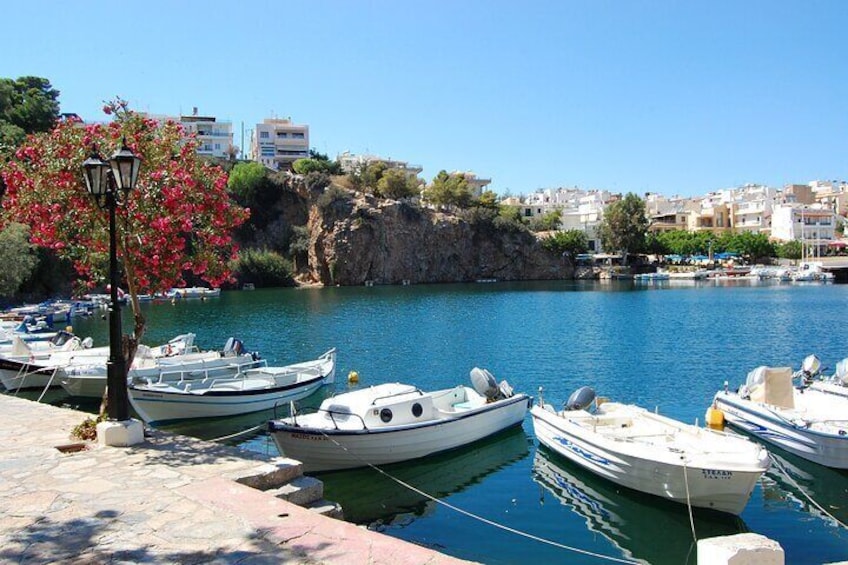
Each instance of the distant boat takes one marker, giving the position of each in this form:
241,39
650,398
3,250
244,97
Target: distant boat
193,292
394,422
250,389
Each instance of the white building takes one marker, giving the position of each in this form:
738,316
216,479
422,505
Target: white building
277,143
350,162
214,137
812,225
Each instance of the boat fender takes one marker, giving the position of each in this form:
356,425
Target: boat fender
353,377
580,399
714,418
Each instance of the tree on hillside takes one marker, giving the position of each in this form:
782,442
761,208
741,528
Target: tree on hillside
570,243
177,222
549,221
397,184
624,226
18,257
449,190
27,105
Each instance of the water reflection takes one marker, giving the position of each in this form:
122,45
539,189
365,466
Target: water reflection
792,481
371,498
644,527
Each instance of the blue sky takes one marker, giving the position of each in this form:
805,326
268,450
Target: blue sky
631,96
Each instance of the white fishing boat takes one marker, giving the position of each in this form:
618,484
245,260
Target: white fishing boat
810,375
179,359
37,364
651,453
395,422
805,421
252,389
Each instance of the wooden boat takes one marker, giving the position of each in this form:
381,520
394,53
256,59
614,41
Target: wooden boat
651,453
252,389
805,421
395,422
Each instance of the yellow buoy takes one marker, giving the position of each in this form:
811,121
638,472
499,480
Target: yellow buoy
353,377
714,417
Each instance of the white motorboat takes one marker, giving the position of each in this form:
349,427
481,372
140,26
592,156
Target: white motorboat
810,375
650,453
177,360
395,422
805,421
36,364
252,389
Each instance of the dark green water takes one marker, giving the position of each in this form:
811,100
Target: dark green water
666,346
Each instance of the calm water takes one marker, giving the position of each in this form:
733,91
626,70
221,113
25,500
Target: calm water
669,347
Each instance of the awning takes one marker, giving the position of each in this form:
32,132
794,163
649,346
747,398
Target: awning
837,243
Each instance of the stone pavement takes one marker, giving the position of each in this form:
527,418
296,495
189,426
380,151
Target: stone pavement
171,499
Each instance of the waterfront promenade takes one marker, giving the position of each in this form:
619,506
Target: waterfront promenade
171,499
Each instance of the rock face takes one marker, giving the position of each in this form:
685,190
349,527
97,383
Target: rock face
360,239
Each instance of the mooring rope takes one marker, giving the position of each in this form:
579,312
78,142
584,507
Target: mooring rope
243,432
475,516
688,501
786,474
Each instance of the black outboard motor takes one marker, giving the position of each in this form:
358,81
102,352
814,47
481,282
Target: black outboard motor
581,398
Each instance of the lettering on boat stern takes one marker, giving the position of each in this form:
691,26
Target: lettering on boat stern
310,437
717,474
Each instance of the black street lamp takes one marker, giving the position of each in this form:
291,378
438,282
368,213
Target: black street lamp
110,184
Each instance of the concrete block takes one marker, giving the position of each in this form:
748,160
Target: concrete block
740,549
301,491
271,475
327,508
120,434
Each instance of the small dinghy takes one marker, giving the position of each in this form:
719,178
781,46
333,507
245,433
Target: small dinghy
654,454
395,422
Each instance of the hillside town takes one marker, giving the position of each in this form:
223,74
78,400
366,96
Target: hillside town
812,213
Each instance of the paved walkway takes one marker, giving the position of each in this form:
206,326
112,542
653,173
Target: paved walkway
171,499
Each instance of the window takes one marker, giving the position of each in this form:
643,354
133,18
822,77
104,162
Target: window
282,134
298,135
264,135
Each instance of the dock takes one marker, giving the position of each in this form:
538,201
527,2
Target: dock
170,499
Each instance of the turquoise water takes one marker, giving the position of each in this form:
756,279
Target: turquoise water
665,347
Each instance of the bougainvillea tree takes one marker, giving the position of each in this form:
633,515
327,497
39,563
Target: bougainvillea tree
178,220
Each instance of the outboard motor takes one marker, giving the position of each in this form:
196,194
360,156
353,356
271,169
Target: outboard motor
810,369
581,398
485,384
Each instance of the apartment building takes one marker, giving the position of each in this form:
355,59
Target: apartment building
812,225
214,136
277,143
350,162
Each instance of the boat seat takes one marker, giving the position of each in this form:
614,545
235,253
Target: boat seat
460,406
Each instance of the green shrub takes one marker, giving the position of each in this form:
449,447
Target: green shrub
263,268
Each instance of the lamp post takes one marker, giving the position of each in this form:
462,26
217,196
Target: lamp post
110,183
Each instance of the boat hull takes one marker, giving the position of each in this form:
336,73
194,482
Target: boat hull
760,421
158,407
18,375
331,449
725,489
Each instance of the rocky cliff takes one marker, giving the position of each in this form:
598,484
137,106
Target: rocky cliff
356,238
